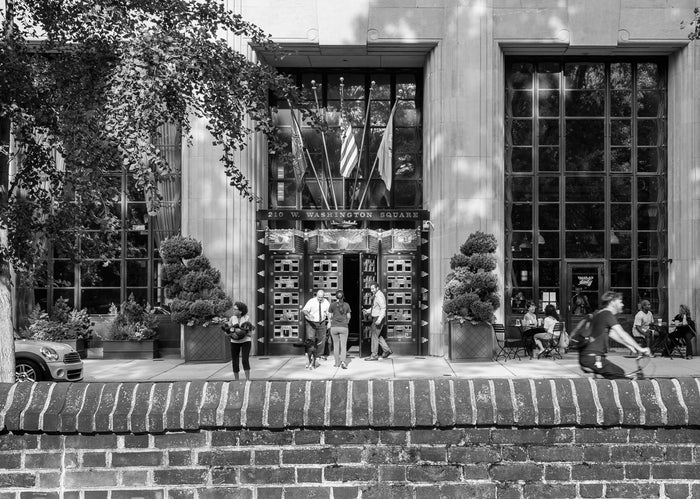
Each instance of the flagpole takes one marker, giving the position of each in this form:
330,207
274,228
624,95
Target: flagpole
325,147
362,144
376,158
304,149
342,89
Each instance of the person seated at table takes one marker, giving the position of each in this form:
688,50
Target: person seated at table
530,328
551,319
641,329
685,330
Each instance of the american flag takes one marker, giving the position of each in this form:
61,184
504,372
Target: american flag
348,151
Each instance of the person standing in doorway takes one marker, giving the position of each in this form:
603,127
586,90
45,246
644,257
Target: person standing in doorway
340,318
241,341
378,314
316,315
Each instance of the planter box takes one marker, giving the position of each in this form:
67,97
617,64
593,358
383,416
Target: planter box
168,336
79,345
205,344
125,349
471,341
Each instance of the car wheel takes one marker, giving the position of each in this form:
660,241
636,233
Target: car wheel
27,370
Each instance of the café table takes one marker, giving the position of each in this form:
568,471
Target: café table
663,344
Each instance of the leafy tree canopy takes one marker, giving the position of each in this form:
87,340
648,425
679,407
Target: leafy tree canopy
93,80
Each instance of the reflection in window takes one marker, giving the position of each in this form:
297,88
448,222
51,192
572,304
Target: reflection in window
120,262
587,141
314,181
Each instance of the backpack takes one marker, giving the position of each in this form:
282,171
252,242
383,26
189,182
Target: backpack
581,335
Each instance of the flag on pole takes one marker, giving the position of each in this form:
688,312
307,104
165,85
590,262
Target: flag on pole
348,152
298,163
385,152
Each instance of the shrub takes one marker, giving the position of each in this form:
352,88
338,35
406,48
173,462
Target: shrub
63,323
178,248
132,322
471,289
192,283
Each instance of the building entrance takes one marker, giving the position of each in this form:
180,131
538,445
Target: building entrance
585,288
295,265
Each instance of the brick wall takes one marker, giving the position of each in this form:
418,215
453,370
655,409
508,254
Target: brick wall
349,439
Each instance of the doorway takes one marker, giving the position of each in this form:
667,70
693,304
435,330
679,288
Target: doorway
584,289
352,289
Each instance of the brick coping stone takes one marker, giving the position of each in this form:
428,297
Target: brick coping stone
155,407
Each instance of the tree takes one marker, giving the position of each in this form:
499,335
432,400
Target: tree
87,84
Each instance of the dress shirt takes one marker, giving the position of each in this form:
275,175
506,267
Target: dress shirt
379,305
317,310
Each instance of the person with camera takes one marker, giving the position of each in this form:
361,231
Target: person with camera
239,332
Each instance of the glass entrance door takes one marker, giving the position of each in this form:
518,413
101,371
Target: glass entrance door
585,288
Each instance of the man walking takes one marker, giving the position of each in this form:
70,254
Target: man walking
316,314
378,313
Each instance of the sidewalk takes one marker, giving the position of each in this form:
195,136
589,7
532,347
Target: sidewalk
288,368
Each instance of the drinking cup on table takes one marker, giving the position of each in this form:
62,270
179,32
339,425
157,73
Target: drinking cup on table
659,321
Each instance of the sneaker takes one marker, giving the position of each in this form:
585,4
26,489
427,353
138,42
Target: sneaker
386,354
342,364
371,358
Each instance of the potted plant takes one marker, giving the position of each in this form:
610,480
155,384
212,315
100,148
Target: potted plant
471,298
198,302
63,325
131,333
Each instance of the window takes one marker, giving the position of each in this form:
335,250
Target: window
314,180
586,175
135,267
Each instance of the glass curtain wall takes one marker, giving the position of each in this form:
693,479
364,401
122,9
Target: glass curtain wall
315,182
135,267
585,178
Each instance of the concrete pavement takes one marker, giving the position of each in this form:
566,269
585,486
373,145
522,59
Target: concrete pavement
396,367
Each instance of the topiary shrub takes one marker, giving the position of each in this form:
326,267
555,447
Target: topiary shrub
471,289
192,284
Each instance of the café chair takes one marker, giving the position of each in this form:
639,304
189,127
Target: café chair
509,342
551,348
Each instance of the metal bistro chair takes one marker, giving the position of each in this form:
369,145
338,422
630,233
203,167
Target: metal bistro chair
552,348
499,330
509,344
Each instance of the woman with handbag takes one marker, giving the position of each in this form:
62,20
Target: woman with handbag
240,329
685,330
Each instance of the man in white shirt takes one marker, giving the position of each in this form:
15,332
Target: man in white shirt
316,314
642,321
378,313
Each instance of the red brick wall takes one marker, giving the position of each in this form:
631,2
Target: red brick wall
424,438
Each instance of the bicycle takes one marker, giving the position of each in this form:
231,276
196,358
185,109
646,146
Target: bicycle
639,372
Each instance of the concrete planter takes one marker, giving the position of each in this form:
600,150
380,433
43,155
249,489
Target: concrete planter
471,341
124,349
205,344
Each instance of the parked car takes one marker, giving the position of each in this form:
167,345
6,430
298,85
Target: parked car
46,361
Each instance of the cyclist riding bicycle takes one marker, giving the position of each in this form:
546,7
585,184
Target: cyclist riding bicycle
593,355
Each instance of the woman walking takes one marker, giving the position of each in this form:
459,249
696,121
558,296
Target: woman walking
241,341
340,318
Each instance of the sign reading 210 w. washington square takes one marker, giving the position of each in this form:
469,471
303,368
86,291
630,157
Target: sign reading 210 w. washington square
344,214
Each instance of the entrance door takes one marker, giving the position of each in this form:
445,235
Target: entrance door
585,287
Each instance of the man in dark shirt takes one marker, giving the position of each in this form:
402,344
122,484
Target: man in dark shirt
593,355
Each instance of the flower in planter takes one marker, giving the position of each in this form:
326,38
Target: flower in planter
192,283
471,288
132,322
64,323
